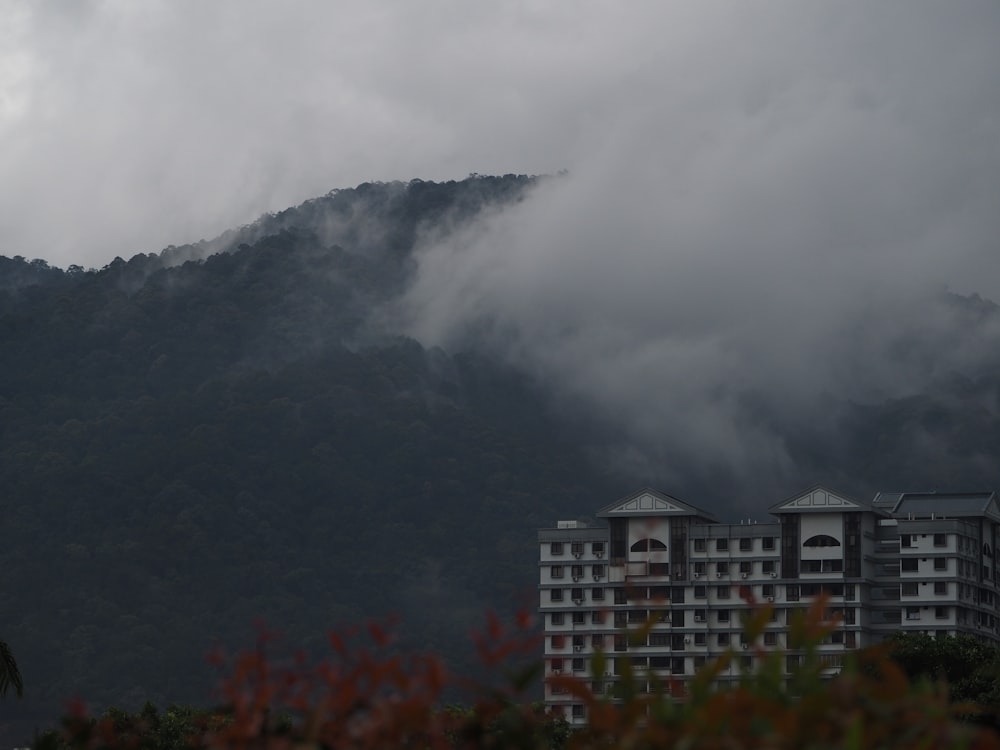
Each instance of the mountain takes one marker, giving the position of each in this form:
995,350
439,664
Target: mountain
238,430
194,440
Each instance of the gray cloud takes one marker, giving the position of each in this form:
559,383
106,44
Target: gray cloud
763,198
771,223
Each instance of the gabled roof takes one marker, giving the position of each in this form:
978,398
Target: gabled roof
940,504
649,502
818,499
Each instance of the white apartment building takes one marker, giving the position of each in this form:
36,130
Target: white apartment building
904,561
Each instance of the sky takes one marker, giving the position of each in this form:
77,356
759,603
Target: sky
764,200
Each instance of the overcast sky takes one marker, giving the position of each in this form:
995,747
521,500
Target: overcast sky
127,126
763,196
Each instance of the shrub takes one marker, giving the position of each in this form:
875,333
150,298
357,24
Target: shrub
366,697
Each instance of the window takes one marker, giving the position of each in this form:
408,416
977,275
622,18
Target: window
597,570
909,589
700,592
699,615
942,613
812,566
767,566
577,595
905,540
659,662
746,544
556,665
597,640
940,563
597,548
721,568
721,545
677,642
556,618
677,595
579,618
556,549
913,613
722,592
577,549
578,711
659,639
556,571
579,665
835,565
620,597
821,540
746,567
621,642
722,615
621,619
767,542
677,665
597,594
556,595
699,545
940,540
637,615
791,662
770,638
940,588
722,639
659,569
792,593
699,662
767,590
746,663
677,618
558,642
699,569
700,639
597,617
908,565
577,571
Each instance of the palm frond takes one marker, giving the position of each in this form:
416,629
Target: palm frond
9,673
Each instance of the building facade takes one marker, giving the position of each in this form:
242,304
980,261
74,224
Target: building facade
920,562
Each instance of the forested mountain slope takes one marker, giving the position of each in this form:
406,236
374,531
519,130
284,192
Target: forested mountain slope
237,430
186,448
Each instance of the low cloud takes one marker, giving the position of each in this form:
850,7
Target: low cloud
743,253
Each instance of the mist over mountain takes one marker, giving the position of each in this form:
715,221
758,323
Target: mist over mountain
369,402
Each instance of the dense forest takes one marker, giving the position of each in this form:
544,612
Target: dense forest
234,431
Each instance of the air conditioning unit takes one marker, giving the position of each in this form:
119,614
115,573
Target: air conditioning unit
697,575
687,640
576,579
773,574
679,575
556,671
578,601
743,576
578,648
597,576
598,554
719,574
698,618
577,554
746,646
770,598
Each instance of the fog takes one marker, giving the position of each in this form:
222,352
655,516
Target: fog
769,235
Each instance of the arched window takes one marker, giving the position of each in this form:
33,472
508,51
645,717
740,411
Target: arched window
648,545
821,540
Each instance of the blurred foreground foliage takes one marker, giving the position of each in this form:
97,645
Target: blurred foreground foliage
365,696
